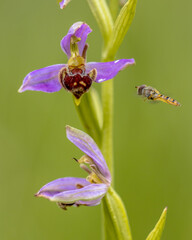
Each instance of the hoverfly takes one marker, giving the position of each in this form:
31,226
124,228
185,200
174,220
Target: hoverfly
153,94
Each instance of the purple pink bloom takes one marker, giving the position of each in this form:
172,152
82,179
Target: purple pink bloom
77,75
70,191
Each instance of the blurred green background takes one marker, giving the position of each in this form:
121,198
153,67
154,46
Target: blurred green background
153,165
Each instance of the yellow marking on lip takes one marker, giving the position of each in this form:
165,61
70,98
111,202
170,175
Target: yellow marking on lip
74,84
83,83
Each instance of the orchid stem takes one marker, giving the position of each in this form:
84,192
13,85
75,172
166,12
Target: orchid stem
116,224
107,132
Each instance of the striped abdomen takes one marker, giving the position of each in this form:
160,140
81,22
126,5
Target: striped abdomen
168,100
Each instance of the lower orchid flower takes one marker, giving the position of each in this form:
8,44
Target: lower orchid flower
76,76
70,191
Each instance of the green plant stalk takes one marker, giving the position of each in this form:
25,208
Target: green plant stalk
120,28
107,131
114,212
115,221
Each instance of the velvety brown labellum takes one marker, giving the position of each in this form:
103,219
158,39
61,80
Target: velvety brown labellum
76,81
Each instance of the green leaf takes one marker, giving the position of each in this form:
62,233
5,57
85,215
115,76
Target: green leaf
115,217
121,27
156,233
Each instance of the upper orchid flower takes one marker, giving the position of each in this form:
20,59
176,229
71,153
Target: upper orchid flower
76,76
79,191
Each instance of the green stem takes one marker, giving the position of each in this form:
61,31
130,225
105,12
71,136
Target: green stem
107,131
116,225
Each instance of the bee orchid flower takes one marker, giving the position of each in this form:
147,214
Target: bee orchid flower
76,76
70,191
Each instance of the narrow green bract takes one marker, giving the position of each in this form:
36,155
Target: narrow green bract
116,221
121,27
156,233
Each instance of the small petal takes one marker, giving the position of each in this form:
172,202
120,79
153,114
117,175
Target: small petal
64,3
80,30
87,194
44,79
84,142
60,185
108,70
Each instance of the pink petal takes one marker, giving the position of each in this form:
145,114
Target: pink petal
80,30
108,70
44,79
